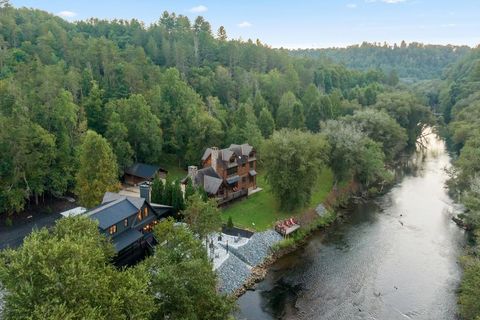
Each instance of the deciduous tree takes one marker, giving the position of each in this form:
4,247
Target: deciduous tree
97,172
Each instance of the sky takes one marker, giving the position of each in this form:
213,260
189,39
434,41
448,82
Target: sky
299,23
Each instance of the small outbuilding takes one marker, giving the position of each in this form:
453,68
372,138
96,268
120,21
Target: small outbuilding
141,172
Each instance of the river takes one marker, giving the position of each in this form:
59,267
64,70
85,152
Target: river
395,257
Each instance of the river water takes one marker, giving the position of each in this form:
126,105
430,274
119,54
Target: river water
395,257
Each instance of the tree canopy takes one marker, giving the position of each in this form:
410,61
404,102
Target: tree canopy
64,273
293,161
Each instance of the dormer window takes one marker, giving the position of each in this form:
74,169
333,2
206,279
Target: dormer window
139,215
145,212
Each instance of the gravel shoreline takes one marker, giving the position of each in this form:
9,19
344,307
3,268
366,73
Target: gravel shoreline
241,263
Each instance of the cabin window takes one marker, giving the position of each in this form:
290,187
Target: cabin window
252,164
145,212
232,171
139,215
112,229
125,222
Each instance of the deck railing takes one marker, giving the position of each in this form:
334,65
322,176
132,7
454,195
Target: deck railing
232,196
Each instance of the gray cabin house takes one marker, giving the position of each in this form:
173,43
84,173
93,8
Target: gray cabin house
128,221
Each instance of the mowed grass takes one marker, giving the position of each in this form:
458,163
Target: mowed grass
260,211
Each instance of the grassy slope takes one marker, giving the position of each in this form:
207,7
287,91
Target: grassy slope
170,163
260,211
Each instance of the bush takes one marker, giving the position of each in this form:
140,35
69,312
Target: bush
230,223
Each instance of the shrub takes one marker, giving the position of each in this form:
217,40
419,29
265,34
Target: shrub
230,223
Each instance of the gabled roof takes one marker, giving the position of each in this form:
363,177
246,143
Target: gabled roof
209,180
115,208
142,170
206,154
239,150
211,184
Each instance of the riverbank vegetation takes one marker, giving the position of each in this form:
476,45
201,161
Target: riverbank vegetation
261,210
79,102
460,103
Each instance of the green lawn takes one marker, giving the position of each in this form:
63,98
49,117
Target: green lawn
260,211
170,163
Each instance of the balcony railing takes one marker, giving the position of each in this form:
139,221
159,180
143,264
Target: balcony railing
232,196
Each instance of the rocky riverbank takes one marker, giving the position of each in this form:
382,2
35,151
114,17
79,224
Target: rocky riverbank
243,261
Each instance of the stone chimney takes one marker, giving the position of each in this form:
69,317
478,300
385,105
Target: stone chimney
192,173
145,191
214,158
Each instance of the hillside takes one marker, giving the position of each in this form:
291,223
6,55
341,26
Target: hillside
414,61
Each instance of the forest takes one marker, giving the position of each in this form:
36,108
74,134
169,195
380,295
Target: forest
413,61
80,102
186,86
460,103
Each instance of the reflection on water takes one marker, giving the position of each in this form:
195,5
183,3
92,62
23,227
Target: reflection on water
393,258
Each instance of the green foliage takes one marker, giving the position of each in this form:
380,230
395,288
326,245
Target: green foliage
28,153
470,289
117,135
410,113
65,274
172,194
354,154
460,103
230,222
293,161
97,171
415,60
182,280
381,128
203,217
172,88
144,134
285,110
189,189
158,190
298,119
266,123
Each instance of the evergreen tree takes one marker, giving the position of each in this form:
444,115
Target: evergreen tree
178,203
189,189
94,108
97,171
285,110
298,119
266,123
117,135
158,190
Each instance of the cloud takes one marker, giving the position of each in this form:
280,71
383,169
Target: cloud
244,24
199,9
67,14
351,6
